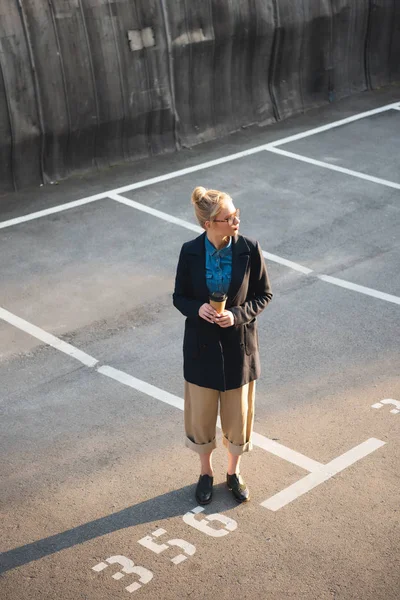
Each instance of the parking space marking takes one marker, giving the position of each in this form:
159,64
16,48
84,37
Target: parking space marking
287,263
51,211
271,446
155,213
150,390
128,568
360,288
133,186
334,124
272,257
318,472
395,403
182,223
228,524
141,386
205,526
206,165
328,471
331,167
149,543
47,338
258,440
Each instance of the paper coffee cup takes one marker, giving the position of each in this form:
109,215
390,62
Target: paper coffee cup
218,301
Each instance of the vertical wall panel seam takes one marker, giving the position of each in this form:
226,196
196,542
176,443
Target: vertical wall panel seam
349,39
331,68
150,105
39,108
120,80
233,122
190,100
252,46
391,40
96,100
301,86
272,61
171,76
63,76
212,95
366,48
10,119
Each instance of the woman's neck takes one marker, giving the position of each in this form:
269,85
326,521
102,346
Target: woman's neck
217,241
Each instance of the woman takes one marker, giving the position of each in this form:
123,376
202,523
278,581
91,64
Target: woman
221,359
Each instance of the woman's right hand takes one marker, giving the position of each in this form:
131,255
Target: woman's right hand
207,312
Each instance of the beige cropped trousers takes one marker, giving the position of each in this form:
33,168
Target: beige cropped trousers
236,412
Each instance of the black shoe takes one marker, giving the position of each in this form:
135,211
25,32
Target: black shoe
238,487
204,489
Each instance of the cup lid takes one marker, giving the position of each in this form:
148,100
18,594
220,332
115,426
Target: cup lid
218,296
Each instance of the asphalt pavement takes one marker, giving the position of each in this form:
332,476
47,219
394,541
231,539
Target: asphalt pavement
93,463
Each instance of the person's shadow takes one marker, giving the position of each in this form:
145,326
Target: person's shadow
172,504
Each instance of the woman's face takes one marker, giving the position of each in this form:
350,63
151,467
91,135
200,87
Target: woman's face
227,221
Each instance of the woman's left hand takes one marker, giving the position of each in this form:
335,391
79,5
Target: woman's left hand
225,319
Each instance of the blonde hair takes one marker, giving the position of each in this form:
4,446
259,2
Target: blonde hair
207,203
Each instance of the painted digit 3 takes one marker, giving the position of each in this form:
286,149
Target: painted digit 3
128,568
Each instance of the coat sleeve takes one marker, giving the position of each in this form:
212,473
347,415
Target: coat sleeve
182,297
259,290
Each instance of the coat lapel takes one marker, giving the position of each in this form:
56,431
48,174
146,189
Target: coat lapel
199,265
240,259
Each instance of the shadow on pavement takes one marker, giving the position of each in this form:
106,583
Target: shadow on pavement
172,504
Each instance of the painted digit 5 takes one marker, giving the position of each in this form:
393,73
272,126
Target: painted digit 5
148,542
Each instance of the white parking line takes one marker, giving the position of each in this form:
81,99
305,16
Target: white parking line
346,121
199,167
324,165
50,211
171,219
258,440
146,388
314,479
287,263
132,186
318,471
155,213
272,257
47,338
359,288
271,446
141,386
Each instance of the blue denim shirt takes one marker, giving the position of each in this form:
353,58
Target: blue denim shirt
218,267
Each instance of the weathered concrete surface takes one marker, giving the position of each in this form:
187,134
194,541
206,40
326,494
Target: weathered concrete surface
90,466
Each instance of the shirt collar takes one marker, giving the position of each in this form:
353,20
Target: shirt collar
212,251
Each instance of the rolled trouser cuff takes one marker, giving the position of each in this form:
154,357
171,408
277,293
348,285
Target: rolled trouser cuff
200,448
235,449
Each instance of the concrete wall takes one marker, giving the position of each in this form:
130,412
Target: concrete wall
87,83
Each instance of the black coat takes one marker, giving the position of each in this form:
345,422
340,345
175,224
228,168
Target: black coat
216,357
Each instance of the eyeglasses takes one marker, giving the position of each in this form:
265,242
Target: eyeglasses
231,219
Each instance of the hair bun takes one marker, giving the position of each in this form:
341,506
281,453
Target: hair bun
198,194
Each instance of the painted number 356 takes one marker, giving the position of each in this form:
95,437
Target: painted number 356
206,525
